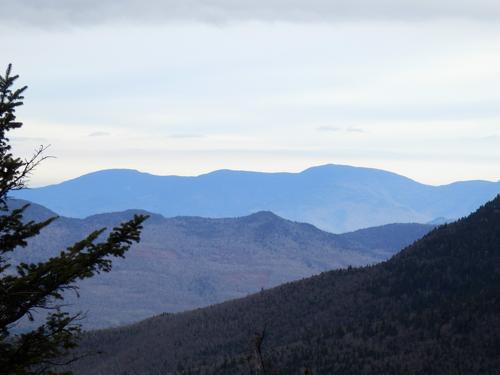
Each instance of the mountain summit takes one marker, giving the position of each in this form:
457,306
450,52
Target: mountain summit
336,198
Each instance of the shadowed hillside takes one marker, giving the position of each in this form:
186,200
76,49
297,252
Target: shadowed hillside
434,308
336,198
187,262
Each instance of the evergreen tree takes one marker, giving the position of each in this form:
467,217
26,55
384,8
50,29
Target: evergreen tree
28,287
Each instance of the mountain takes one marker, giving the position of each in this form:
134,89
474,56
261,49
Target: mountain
433,308
187,262
336,198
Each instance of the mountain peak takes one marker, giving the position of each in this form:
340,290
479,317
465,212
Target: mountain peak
262,215
115,172
337,198
349,171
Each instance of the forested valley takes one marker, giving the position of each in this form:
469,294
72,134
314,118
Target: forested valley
431,309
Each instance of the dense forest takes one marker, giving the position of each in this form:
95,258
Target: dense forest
434,308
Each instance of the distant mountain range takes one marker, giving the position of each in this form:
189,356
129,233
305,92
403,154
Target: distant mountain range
433,309
187,262
336,198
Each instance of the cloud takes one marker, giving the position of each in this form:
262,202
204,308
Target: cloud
99,134
29,139
335,129
327,129
53,13
181,136
355,130
494,138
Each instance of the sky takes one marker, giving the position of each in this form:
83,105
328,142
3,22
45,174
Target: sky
189,86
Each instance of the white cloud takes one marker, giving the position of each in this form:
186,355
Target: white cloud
355,130
188,98
56,13
183,136
99,134
328,129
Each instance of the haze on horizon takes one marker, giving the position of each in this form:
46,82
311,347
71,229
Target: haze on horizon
166,88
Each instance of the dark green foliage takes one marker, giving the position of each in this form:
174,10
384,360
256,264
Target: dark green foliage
432,309
40,286
12,170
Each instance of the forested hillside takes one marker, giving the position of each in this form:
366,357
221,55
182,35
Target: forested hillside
434,308
188,262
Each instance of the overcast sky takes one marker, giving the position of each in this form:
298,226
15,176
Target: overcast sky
189,86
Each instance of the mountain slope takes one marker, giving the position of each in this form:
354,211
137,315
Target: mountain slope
187,262
434,308
336,198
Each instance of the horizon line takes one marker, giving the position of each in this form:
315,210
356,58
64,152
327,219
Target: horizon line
256,172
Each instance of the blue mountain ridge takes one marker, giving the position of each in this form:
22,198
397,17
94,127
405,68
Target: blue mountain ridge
337,198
